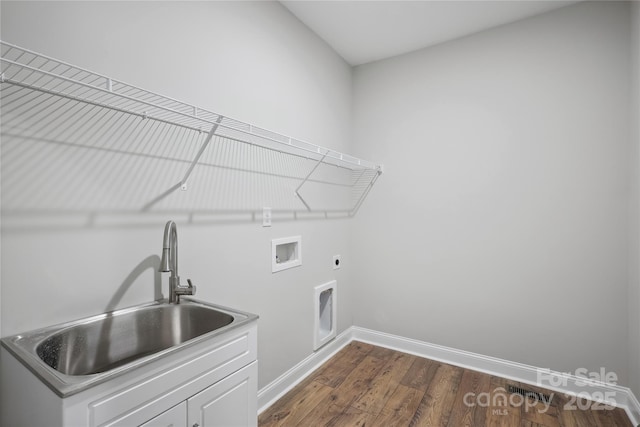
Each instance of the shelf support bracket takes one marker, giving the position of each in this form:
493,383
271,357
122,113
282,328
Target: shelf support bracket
356,207
297,190
205,144
183,182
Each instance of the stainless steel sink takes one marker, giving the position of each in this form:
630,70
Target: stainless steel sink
76,355
115,340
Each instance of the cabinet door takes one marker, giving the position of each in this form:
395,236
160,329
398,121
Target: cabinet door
174,417
231,402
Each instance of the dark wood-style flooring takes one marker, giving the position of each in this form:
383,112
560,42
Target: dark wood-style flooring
365,385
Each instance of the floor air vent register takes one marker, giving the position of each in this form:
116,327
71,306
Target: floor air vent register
545,398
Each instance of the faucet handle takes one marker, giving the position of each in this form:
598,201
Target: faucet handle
192,288
186,290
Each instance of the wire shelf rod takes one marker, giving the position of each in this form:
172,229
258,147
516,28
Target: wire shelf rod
47,101
96,103
92,113
109,89
145,116
90,86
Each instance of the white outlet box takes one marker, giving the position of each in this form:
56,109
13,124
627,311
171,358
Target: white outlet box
286,253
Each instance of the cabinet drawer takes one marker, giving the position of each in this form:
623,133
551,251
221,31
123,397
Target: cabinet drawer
174,417
143,399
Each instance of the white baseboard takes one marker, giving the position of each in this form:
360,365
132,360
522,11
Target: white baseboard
633,408
285,382
610,394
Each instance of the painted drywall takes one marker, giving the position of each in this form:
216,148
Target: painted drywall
634,206
501,224
249,60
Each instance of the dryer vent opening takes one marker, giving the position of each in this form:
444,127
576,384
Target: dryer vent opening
325,314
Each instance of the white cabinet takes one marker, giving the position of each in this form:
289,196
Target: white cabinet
218,383
211,383
217,406
231,402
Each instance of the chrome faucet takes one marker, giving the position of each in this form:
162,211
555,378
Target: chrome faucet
169,262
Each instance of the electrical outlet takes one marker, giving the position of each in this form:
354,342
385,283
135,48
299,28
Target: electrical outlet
266,217
336,262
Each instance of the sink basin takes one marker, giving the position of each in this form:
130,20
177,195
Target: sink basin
115,340
76,355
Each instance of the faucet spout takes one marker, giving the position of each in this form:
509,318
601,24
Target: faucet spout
169,263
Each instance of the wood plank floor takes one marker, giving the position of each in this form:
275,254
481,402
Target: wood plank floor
364,385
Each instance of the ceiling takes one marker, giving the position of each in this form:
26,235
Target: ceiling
365,31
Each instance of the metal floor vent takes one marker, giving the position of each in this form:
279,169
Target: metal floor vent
545,398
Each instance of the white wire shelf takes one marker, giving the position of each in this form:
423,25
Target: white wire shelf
57,111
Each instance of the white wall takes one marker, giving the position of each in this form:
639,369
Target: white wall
250,60
500,225
634,235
